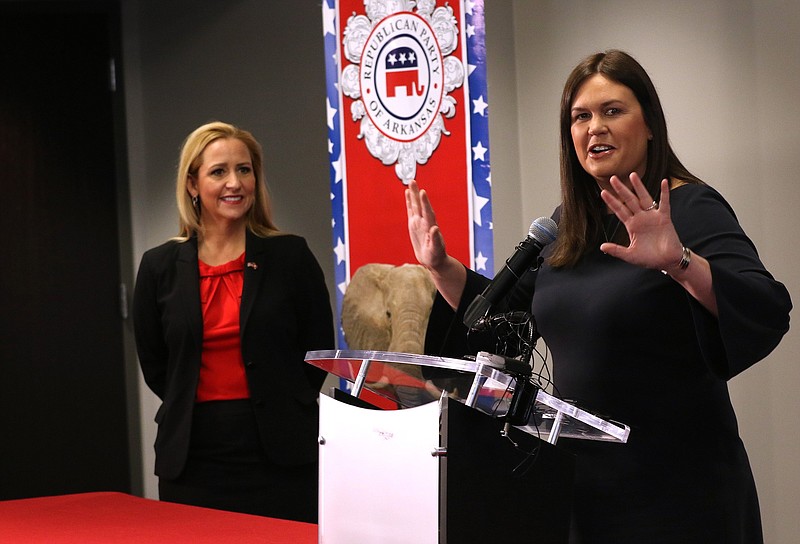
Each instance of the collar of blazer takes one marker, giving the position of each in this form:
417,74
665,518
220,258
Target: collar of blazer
188,287
255,260
256,256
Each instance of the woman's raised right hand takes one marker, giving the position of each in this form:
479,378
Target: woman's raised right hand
448,274
426,238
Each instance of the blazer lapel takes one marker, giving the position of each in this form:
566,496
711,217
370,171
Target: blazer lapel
188,287
255,262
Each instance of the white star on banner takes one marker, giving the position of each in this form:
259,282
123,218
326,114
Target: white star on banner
480,152
480,106
478,202
470,69
339,250
331,113
330,146
328,20
337,167
342,287
469,6
470,31
480,262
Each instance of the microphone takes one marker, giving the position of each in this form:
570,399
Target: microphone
541,232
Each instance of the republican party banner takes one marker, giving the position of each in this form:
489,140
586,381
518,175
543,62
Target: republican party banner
406,100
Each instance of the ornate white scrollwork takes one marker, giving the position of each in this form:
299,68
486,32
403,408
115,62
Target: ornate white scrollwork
400,78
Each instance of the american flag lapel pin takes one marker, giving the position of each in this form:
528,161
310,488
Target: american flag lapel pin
252,265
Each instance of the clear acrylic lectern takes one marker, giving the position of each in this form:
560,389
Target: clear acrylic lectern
444,468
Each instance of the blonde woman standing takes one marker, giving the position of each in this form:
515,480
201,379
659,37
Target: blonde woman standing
224,314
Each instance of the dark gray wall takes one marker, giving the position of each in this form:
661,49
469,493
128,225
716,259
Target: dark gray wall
243,62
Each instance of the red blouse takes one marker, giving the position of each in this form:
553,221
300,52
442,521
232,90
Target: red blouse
222,375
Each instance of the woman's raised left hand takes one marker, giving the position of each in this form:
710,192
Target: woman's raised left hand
654,243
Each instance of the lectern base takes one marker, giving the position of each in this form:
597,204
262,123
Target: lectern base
438,473
515,489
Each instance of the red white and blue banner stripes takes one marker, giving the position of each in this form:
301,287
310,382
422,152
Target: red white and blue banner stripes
406,99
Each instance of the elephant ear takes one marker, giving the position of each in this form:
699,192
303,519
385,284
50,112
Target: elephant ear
365,320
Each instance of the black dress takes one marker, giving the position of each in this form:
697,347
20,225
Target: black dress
629,343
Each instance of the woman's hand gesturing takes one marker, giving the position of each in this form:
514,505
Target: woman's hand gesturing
426,238
654,242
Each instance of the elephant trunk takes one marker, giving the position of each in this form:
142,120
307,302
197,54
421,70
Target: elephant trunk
408,330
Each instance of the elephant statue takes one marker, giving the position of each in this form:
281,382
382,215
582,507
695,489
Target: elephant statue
386,308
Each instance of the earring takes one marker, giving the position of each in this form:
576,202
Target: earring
196,202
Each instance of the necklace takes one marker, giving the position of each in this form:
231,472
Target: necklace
607,220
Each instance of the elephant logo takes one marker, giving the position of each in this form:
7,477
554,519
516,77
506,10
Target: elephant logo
402,77
402,71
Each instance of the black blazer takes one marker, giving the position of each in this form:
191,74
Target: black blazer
285,311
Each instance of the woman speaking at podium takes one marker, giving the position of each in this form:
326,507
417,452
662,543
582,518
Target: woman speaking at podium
650,299
224,314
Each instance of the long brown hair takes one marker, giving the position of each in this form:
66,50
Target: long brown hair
259,218
582,210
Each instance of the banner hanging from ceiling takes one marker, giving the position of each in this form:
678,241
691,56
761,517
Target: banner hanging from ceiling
406,100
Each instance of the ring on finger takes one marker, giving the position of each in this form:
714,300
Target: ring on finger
653,206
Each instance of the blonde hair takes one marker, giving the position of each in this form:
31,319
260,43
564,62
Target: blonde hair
259,217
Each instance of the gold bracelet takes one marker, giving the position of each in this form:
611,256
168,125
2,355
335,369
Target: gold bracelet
686,258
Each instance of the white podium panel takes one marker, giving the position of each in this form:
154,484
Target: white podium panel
379,477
